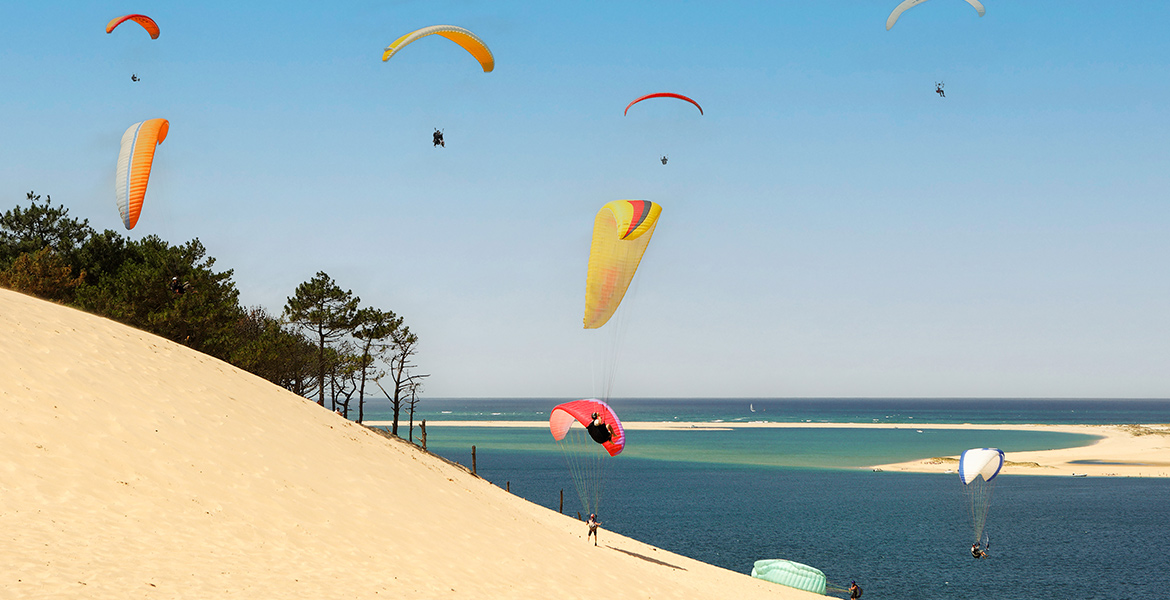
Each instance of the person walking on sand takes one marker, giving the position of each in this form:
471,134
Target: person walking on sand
593,523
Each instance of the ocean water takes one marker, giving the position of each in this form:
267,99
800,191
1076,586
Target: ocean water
836,410
729,498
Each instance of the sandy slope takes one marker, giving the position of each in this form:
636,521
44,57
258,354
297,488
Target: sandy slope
134,467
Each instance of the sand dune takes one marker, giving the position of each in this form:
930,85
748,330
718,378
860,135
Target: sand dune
133,467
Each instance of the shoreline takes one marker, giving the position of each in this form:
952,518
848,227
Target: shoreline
1120,451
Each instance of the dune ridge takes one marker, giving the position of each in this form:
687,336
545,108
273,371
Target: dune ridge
134,467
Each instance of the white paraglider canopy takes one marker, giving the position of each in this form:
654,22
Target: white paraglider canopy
980,461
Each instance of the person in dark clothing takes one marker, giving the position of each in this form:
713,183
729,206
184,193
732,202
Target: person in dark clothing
854,590
977,552
599,430
593,524
664,159
134,77
179,287
938,89
438,139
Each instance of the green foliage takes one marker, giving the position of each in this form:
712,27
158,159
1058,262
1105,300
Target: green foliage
139,293
27,230
325,342
43,274
326,313
264,347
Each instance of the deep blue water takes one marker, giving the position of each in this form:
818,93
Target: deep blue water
730,498
899,535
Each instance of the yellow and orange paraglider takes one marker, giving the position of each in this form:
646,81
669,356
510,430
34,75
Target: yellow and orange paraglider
146,22
469,41
621,232
134,162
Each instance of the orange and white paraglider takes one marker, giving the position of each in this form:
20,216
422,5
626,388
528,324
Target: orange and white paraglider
146,22
134,163
908,4
467,40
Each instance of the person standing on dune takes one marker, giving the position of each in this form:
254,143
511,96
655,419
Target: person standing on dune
593,524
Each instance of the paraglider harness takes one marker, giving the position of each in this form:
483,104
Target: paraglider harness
938,88
664,160
977,552
438,139
134,77
854,591
599,433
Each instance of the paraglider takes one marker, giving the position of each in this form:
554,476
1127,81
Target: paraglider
908,4
621,232
791,574
146,22
662,95
938,89
588,448
664,159
437,138
467,40
978,468
134,163
586,412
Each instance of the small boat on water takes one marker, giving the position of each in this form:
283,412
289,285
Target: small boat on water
1080,474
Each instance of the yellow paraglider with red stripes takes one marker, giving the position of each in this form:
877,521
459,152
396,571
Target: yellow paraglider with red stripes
469,41
621,232
134,163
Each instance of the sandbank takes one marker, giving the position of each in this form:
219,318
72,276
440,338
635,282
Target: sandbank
134,467
1120,451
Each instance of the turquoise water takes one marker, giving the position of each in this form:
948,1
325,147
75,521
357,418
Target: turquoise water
729,498
819,448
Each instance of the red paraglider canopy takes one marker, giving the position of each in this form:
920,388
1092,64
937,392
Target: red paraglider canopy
581,411
663,95
146,22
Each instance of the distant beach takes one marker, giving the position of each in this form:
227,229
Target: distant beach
1120,451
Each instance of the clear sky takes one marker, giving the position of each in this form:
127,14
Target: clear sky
830,226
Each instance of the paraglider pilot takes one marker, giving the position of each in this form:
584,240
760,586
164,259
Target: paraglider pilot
599,430
938,89
179,287
977,552
134,77
664,159
854,590
593,523
438,139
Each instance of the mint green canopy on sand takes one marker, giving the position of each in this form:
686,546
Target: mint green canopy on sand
791,574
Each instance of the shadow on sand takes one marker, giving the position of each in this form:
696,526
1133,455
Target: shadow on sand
647,558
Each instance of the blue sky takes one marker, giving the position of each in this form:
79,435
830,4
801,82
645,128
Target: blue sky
830,226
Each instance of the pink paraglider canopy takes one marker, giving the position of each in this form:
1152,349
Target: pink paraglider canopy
581,411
